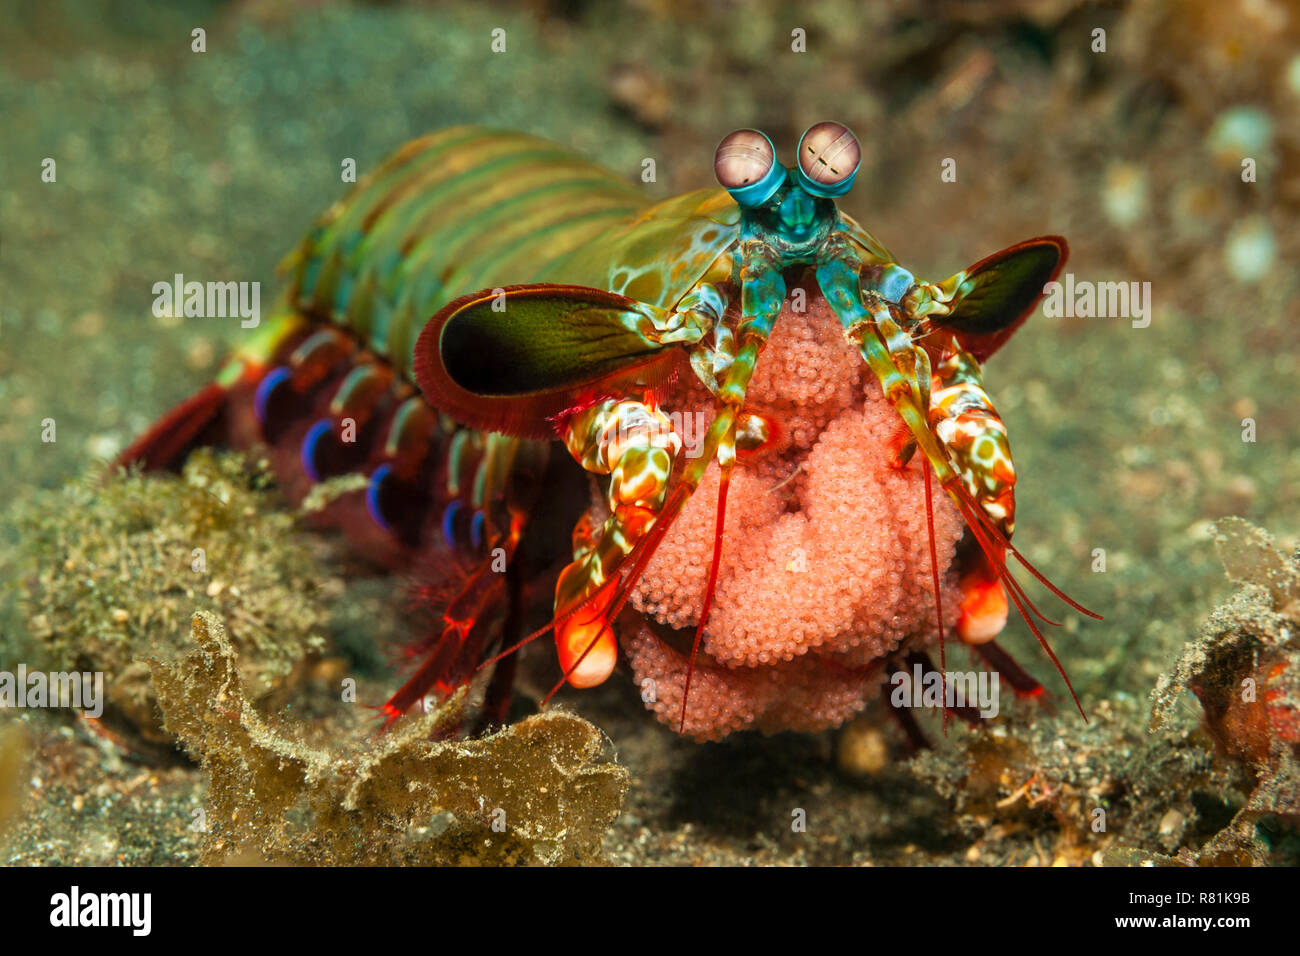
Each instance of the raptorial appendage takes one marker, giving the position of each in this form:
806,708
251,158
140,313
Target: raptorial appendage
636,446
965,421
975,438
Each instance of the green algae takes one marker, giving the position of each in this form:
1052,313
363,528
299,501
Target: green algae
1244,669
1112,787
1212,780
543,791
15,761
112,567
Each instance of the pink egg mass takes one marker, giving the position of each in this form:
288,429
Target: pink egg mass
825,559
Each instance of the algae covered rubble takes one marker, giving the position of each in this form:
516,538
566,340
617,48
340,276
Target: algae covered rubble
1212,780
15,761
540,792
113,569
1244,669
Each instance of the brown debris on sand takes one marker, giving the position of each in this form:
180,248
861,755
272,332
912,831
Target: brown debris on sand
543,791
112,567
1245,671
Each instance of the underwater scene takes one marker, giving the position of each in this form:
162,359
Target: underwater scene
649,434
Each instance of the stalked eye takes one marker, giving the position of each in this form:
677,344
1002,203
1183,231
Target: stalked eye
746,166
829,155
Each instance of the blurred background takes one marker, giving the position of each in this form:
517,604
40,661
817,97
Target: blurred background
1123,127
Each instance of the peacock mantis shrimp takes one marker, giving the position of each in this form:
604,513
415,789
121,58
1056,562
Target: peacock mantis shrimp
482,296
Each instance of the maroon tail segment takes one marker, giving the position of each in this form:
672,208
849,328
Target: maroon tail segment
449,507
173,435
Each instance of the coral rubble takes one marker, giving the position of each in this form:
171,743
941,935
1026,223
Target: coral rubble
1245,671
113,567
543,791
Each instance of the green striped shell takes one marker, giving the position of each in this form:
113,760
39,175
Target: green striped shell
467,209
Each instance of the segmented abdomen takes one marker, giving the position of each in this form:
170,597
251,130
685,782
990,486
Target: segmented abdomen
456,211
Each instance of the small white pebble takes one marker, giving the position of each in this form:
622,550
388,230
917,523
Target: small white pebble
1171,823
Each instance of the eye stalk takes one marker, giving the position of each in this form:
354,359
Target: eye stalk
745,164
829,156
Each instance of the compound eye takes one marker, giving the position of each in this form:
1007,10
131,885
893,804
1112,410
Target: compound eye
829,155
745,164
743,158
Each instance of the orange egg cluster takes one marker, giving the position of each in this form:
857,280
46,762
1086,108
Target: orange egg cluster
825,564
